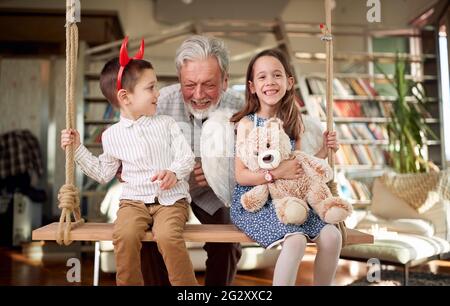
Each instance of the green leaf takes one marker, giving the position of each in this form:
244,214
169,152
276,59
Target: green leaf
407,130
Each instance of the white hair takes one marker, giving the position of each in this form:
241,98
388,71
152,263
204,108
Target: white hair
198,47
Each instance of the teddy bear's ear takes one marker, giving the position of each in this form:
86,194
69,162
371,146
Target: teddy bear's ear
281,128
278,121
280,124
274,122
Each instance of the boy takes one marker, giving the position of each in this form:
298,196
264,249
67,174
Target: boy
156,160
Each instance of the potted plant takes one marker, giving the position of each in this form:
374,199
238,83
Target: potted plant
407,129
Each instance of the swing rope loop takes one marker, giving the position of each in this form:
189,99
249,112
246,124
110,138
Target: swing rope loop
68,195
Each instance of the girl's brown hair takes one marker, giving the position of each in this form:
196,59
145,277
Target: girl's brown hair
288,110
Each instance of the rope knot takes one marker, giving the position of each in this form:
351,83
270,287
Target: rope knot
69,203
68,197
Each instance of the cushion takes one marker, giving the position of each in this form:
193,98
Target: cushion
400,248
408,226
439,215
413,188
388,206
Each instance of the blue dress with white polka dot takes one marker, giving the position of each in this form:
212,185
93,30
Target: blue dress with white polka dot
263,226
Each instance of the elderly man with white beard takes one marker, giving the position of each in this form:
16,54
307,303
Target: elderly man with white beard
202,65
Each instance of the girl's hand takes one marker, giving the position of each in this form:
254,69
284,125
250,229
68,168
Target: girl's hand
288,170
168,179
330,141
70,137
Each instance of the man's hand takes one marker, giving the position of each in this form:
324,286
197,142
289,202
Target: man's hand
168,179
70,137
119,174
197,178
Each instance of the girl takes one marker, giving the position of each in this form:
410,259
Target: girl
269,93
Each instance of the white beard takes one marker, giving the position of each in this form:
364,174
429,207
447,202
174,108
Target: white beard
201,114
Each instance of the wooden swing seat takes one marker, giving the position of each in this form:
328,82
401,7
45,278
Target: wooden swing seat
192,232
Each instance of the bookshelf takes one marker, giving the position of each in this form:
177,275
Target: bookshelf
95,120
363,103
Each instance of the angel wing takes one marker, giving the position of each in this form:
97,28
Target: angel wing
217,153
311,140
110,203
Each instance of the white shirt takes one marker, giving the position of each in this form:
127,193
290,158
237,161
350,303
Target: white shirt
144,146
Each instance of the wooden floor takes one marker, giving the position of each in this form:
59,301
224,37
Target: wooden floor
18,269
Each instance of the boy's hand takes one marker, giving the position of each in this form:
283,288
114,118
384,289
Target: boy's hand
168,179
70,137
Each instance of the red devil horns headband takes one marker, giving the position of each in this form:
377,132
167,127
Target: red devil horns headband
124,59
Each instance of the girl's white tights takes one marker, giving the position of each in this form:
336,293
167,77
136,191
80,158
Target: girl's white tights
291,254
329,245
328,250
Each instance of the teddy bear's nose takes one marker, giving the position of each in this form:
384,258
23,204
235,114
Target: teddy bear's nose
268,158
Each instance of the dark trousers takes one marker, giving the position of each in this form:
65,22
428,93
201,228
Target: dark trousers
221,264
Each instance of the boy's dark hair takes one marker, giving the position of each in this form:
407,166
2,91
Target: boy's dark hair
131,73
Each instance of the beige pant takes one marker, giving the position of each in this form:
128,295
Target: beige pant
133,219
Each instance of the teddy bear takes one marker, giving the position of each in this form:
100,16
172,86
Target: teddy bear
263,149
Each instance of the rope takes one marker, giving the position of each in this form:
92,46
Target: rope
328,39
68,194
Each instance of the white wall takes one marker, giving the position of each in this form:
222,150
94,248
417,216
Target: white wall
24,86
